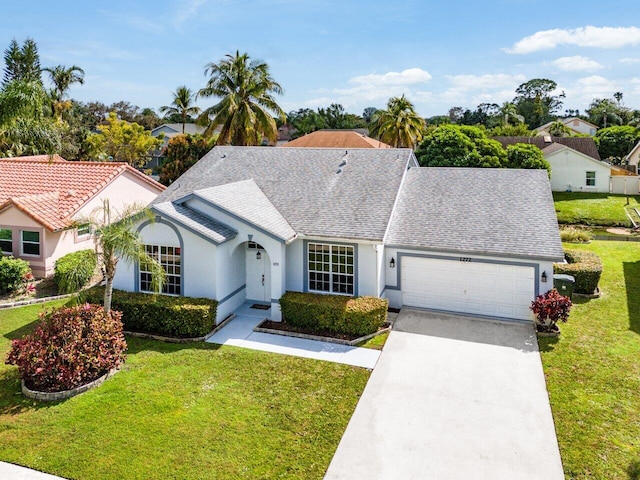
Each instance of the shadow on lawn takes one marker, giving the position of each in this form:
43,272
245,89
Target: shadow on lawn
634,470
137,345
22,331
632,284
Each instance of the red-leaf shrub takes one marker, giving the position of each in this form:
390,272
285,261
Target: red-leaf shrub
551,307
70,347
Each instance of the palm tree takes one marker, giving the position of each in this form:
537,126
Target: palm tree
399,125
182,105
62,78
246,90
116,238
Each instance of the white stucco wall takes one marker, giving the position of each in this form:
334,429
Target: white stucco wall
123,191
569,172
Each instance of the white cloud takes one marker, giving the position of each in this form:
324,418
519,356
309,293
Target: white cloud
376,89
471,90
577,63
629,60
186,11
489,81
585,89
589,36
411,76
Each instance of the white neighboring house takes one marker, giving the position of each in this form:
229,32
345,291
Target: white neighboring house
250,223
171,130
577,125
42,197
633,157
576,165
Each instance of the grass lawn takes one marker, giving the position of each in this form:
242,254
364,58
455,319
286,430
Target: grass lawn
182,411
593,208
593,372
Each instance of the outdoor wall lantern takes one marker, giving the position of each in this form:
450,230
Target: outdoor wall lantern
543,277
392,263
259,256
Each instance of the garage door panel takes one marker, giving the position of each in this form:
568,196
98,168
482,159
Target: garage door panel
482,288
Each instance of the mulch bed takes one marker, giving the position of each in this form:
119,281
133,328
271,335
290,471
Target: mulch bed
45,287
284,327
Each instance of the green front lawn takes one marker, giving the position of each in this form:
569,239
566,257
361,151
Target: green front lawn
593,208
182,411
593,372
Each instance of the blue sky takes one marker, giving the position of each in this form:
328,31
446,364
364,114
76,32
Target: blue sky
358,53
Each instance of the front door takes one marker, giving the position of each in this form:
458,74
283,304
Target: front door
258,274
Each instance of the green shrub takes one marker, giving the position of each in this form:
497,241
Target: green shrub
74,270
180,317
584,266
575,235
334,313
70,347
14,274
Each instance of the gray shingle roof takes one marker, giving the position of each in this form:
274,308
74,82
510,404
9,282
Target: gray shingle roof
503,212
194,221
304,186
244,199
584,145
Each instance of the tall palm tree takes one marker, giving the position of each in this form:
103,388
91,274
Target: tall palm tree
246,90
182,105
62,78
399,125
117,238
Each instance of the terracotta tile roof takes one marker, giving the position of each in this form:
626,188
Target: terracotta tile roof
584,145
52,192
335,139
38,158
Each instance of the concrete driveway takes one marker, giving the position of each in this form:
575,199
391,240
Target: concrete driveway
452,398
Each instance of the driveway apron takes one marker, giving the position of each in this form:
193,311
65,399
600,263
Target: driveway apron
452,397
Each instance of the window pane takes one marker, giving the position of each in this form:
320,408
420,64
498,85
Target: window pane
30,236
84,229
31,249
6,244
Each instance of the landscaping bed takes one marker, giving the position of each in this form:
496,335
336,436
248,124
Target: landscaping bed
182,411
325,335
593,372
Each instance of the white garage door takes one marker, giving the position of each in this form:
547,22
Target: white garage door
469,287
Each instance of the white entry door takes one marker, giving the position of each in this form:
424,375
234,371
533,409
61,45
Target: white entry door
491,289
258,275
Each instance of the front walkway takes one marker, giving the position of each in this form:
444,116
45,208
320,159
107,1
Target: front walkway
239,333
9,471
452,397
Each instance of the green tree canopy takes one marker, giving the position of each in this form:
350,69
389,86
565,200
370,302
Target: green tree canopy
22,63
62,78
614,143
399,125
182,152
304,121
606,112
460,146
526,155
244,113
122,141
536,102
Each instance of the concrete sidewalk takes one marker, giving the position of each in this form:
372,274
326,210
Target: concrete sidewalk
454,398
239,333
9,471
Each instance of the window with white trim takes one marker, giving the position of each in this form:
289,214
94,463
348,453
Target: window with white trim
30,243
170,261
6,241
591,179
83,230
331,268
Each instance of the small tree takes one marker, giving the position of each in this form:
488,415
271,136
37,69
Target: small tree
526,155
549,308
116,238
122,141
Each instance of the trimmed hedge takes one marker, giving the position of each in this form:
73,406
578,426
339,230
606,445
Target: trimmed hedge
74,270
584,266
14,274
180,317
334,313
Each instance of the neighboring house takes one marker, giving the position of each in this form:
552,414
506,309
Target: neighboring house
632,157
42,198
169,130
576,165
336,139
576,125
249,223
